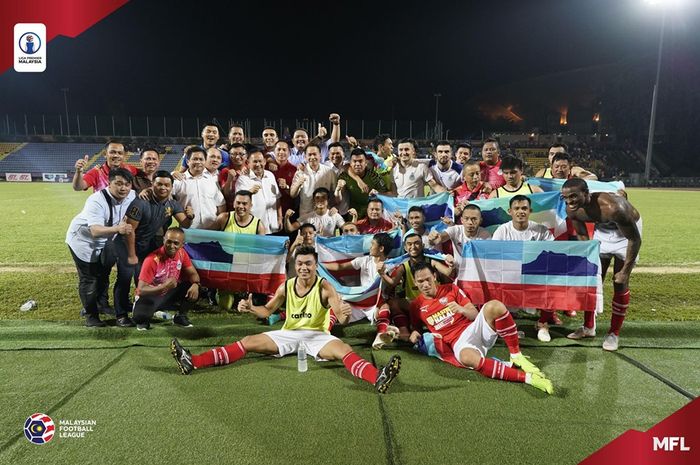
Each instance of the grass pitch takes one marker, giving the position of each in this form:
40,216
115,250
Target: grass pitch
261,410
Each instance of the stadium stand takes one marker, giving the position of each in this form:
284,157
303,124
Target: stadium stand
48,157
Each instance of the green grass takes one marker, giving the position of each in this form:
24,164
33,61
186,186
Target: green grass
262,410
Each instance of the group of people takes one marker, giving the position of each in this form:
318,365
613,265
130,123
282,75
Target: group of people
309,187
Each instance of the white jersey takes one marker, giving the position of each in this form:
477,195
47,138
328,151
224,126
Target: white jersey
459,237
534,232
368,270
325,224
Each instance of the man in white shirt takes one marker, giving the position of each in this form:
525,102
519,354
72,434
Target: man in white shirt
522,229
300,139
87,237
310,177
444,169
266,192
336,158
469,230
212,164
409,176
199,191
326,224
371,266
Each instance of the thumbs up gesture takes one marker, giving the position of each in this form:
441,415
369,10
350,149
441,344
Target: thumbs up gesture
82,163
246,305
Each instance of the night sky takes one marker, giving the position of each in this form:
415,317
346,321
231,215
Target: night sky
363,59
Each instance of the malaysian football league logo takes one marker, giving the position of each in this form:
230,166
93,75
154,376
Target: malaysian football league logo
39,428
30,43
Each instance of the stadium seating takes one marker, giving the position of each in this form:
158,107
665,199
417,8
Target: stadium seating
47,157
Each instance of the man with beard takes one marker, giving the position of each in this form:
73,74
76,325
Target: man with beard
409,176
445,170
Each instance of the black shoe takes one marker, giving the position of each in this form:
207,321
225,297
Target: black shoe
106,310
125,322
182,356
182,320
93,321
387,374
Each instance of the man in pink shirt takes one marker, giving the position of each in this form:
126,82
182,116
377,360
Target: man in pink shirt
160,284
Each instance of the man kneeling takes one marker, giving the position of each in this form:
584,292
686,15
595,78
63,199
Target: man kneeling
463,335
309,299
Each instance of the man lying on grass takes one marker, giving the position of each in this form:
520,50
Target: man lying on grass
309,299
463,335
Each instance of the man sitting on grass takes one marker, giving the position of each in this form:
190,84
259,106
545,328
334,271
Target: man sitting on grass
308,299
463,335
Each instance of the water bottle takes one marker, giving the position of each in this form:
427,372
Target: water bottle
163,315
301,359
28,305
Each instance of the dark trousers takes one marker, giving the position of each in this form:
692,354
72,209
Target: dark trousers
146,306
93,281
125,275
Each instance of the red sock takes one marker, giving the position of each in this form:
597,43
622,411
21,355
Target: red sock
360,368
505,327
219,356
546,316
621,300
401,320
498,370
383,315
589,319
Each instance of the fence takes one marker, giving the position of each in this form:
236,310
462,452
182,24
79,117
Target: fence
190,127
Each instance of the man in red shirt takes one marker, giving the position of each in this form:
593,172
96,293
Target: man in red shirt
463,335
98,177
375,222
160,285
491,165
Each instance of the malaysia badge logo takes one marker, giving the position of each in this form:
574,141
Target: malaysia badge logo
30,47
39,428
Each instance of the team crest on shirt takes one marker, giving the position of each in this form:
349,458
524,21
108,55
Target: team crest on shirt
133,211
411,177
168,212
443,300
179,265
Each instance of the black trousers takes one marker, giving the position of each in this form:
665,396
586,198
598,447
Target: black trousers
125,275
93,281
146,306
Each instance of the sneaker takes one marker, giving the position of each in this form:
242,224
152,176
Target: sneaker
182,320
543,332
524,364
570,313
93,321
125,322
540,382
182,356
582,332
387,374
143,326
272,319
611,342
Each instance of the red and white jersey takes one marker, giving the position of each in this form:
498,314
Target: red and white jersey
436,314
492,174
158,267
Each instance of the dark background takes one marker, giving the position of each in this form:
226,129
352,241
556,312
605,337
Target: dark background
373,59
